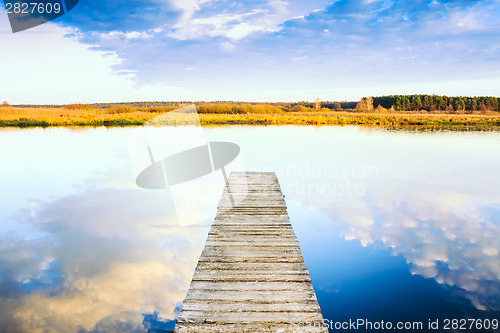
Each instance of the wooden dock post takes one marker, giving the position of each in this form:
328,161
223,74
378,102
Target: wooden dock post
251,276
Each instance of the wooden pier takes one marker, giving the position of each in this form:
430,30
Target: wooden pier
251,275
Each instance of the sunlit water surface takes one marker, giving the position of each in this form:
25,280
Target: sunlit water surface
393,226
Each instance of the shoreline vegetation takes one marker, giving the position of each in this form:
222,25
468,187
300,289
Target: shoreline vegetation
419,111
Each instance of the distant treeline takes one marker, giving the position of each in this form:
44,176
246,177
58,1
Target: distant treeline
429,103
381,104
436,103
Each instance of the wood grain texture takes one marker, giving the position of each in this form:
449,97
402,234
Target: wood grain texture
251,276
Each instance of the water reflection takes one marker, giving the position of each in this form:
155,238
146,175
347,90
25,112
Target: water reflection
99,264
101,256
449,236
84,250
430,198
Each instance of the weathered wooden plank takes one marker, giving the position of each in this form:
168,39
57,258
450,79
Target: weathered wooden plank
202,317
250,249
274,260
236,255
251,276
255,278
257,235
249,307
245,266
209,285
250,295
251,260
293,327
250,246
237,236
270,220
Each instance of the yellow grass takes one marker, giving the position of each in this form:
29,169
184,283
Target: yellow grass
123,115
71,117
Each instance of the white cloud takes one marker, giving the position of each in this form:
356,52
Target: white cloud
44,66
188,7
127,35
459,21
228,47
231,26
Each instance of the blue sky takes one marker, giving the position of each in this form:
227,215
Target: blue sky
263,50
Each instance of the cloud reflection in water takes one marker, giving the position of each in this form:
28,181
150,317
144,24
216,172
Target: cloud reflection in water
96,254
448,236
99,266
429,197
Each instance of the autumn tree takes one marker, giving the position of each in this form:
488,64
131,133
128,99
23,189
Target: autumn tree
365,104
317,103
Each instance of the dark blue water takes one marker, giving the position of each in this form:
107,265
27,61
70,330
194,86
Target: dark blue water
372,284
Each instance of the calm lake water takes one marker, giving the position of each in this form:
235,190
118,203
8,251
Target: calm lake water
393,226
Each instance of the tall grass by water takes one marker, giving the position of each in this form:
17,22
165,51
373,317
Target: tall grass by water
227,114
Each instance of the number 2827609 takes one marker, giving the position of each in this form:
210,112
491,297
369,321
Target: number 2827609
33,8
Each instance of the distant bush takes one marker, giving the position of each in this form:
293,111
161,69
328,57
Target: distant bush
120,109
238,108
77,106
158,109
4,104
263,108
301,108
217,108
381,109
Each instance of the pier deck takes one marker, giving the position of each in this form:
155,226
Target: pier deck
251,276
